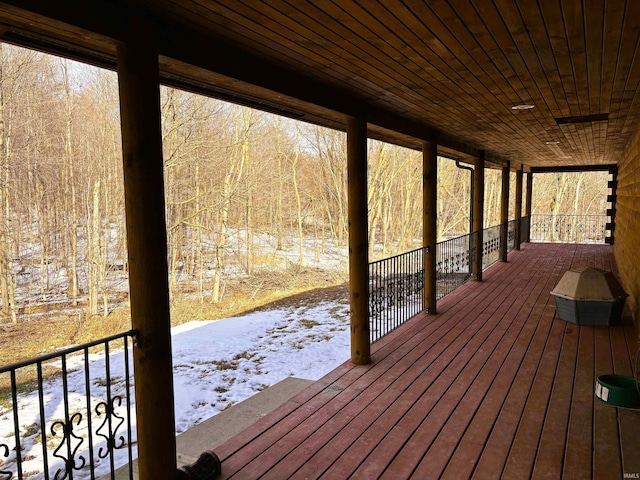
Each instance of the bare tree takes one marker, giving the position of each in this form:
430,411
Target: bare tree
329,149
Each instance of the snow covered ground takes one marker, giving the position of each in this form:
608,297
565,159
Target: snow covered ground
216,364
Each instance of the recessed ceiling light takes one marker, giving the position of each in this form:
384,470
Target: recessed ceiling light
552,143
596,117
523,106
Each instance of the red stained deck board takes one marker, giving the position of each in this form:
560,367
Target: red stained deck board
380,417
550,455
493,386
521,455
457,415
491,462
411,404
493,456
319,408
607,459
401,395
624,349
577,460
462,461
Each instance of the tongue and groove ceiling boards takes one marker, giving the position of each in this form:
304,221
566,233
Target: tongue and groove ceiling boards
416,67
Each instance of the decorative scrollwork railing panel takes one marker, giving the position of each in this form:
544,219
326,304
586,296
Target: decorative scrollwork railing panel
568,228
454,260
4,474
73,416
396,284
511,235
70,444
525,223
491,242
395,291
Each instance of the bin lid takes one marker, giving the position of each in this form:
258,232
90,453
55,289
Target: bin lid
589,284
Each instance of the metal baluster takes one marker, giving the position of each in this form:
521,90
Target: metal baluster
397,293
109,411
378,311
128,393
43,422
16,423
403,280
67,430
87,381
373,313
380,285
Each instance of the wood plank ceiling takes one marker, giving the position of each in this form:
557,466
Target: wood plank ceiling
455,66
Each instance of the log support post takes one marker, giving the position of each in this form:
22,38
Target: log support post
138,79
478,212
518,212
358,240
504,212
429,224
527,206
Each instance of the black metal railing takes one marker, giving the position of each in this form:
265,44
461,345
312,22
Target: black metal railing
511,234
525,224
454,263
396,284
491,242
395,291
68,414
568,228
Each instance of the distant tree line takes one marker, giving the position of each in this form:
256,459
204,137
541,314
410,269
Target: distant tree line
241,185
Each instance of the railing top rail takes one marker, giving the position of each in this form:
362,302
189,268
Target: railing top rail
66,351
455,238
568,215
492,227
396,256
568,228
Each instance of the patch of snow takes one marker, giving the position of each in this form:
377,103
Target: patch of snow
216,364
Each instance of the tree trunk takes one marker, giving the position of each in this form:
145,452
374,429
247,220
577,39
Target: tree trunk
577,236
199,220
68,161
296,192
246,160
6,274
279,216
231,180
94,248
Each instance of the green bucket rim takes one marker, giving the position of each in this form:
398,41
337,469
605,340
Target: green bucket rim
618,391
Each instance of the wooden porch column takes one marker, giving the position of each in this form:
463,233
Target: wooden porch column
518,212
138,79
504,212
478,212
429,227
358,240
527,205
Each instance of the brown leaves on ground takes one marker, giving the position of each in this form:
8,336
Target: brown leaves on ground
337,293
46,334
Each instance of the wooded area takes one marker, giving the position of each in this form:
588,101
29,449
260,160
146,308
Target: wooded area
245,190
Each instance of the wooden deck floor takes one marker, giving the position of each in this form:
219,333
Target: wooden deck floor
491,387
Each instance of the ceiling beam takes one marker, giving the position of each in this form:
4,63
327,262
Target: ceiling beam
575,168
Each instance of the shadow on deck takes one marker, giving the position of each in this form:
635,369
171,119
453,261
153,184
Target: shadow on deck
491,387
223,426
